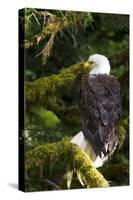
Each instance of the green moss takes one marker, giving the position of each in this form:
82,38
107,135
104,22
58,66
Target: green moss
122,132
44,90
73,158
125,122
40,89
55,25
46,86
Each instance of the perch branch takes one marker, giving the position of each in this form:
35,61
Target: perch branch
75,159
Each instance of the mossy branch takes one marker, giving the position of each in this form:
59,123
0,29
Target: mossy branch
40,89
55,23
74,158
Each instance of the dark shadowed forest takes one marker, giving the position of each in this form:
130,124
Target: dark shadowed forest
56,45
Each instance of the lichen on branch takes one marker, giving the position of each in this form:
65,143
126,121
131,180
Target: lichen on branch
40,89
74,158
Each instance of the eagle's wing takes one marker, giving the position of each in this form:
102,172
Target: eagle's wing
100,106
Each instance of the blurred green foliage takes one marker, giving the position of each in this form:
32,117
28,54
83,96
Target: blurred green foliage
55,41
49,119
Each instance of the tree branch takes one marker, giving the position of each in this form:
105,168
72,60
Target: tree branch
73,157
40,89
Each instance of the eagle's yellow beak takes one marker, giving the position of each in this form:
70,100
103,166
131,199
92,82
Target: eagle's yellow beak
88,66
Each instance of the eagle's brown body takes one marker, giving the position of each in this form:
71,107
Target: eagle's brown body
100,107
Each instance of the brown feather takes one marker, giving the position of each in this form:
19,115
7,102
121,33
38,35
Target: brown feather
100,106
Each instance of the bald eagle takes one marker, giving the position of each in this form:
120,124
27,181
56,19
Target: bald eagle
100,107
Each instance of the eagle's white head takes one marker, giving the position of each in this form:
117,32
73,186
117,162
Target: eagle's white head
99,64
